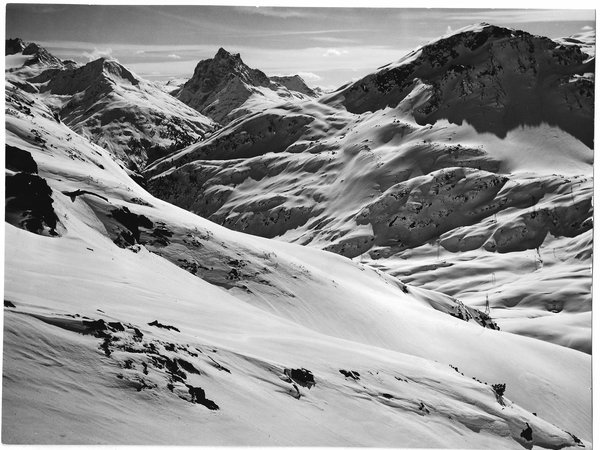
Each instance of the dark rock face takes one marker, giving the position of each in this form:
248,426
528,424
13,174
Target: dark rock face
157,324
350,374
199,396
20,160
40,54
527,433
14,46
224,78
132,221
494,78
29,204
303,377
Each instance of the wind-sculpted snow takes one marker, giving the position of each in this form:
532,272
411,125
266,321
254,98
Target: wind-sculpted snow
141,313
359,173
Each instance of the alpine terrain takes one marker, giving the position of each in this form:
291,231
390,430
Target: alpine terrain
243,260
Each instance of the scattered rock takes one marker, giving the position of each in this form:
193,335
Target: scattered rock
173,369
499,389
527,433
199,396
96,327
576,439
350,374
118,326
187,366
132,222
29,204
160,325
302,376
137,334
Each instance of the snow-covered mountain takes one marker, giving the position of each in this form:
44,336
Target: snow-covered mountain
585,40
113,107
225,88
467,160
495,79
353,308
20,53
294,83
122,310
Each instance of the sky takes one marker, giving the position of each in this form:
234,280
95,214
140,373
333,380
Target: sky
326,46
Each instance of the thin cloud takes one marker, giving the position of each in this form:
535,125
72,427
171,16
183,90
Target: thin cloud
310,34
309,76
516,16
281,13
96,53
333,39
173,56
335,52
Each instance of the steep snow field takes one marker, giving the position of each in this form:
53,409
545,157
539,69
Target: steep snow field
130,320
465,167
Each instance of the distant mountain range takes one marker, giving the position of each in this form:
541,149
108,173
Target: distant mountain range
100,97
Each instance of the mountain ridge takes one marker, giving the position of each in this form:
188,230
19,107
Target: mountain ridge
480,75
385,188
98,98
277,278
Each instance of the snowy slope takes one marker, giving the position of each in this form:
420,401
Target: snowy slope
123,311
104,101
585,40
363,172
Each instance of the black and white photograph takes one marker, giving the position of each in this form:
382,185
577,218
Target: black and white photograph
298,225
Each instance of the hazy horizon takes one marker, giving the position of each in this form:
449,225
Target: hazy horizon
326,46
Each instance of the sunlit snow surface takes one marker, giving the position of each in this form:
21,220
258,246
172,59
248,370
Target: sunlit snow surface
501,214
201,306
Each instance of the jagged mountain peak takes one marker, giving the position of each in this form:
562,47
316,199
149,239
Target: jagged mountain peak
14,45
129,116
225,65
223,54
224,83
35,53
99,74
